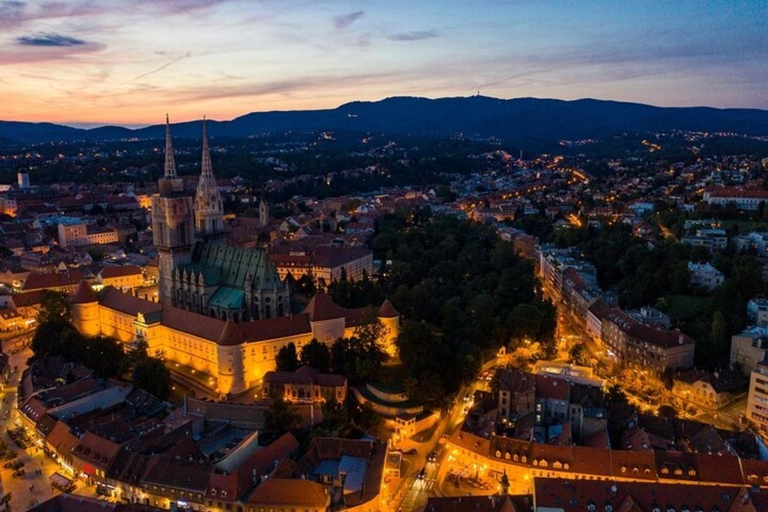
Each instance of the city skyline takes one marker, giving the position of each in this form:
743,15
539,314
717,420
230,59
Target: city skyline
85,63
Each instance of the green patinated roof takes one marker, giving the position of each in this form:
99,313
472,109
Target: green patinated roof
211,274
231,266
227,297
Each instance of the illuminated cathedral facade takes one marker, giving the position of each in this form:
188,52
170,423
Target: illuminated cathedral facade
223,311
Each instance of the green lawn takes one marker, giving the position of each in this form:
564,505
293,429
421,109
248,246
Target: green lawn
685,307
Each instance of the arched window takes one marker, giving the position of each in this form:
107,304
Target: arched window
267,311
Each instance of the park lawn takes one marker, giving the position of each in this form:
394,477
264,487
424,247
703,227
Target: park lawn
685,307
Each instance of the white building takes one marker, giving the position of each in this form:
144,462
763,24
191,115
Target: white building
748,348
741,198
757,400
23,179
705,275
757,312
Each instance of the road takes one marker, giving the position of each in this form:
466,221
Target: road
412,492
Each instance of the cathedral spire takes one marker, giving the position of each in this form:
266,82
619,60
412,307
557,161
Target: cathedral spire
209,210
207,168
170,163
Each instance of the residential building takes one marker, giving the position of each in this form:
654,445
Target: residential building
709,389
641,346
757,312
305,385
748,348
704,275
757,399
748,199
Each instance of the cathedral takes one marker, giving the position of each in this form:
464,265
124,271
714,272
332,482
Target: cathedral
224,314
197,271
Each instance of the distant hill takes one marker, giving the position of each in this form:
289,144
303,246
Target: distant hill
513,120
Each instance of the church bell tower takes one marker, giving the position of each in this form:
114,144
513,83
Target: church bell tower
209,210
173,227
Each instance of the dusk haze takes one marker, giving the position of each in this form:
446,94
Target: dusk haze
115,62
384,256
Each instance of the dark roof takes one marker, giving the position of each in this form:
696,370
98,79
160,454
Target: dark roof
577,495
304,375
231,335
84,294
113,298
387,310
112,271
39,281
275,328
322,307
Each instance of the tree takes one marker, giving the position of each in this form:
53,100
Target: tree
151,375
306,284
280,417
287,360
53,306
316,355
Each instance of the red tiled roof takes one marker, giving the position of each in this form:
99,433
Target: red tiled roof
195,324
734,192
275,328
387,310
39,281
96,450
84,294
322,307
290,493
304,375
550,387
577,496
112,271
113,298
231,335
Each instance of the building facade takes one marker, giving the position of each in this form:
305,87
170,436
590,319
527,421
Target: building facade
235,356
197,272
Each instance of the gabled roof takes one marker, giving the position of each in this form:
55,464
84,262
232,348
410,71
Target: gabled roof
40,281
322,307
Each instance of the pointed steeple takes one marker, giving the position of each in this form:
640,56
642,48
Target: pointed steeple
209,210
170,163
206,167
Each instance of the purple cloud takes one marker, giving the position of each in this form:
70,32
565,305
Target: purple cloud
418,35
49,39
341,22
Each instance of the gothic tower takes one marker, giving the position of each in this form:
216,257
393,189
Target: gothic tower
209,210
173,226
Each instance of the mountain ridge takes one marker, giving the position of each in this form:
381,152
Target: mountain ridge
511,120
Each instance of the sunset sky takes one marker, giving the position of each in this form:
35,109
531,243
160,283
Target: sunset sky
131,61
